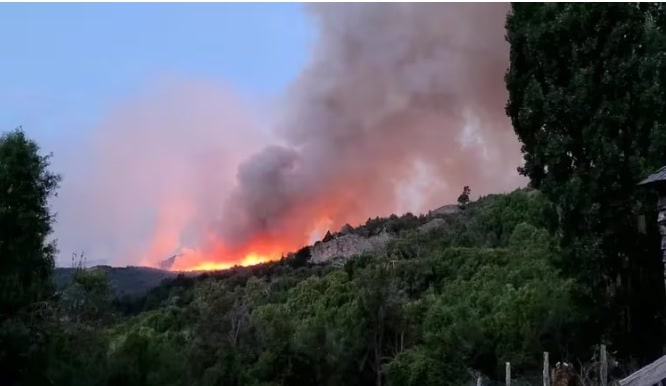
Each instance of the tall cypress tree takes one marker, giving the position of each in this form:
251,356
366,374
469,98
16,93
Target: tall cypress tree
586,97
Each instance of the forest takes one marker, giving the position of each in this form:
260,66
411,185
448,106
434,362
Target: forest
559,266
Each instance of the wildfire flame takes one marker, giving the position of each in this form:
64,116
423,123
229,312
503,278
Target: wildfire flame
212,254
209,263
219,258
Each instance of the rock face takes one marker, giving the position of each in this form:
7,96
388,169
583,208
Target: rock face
347,245
446,209
432,224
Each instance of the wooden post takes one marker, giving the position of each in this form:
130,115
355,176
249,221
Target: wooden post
508,373
603,368
661,221
546,369
479,381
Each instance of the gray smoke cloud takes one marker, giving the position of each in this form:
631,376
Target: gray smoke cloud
391,89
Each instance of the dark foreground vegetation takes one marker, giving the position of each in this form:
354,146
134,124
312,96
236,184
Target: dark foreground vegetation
126,282
559,267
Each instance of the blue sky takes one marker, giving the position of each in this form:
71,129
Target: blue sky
64,65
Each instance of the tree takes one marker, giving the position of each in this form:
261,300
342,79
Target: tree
586,100
89,297
463,199
381,304
26,257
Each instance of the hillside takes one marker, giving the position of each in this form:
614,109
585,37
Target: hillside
336,248
394,298
473,287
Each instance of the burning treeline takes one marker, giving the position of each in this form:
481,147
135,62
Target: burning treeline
392,91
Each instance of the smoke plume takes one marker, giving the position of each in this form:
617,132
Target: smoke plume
390,86
397,97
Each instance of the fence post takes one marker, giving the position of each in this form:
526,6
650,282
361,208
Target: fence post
546,369
508,373
603,368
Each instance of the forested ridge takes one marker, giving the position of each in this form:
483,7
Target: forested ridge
560,266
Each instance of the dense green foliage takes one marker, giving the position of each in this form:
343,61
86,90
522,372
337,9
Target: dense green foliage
125,281
559,267
479,290
586,87
26,256
433,308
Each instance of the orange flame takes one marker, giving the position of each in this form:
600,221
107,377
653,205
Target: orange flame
219,258
211,265
213,255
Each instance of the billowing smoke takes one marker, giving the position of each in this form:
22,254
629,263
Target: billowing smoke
390,86
397,98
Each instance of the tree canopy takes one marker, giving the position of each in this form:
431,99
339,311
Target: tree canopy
586,86
26,254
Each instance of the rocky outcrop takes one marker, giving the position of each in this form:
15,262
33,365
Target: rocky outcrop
339,246
432,225
445,210
344,246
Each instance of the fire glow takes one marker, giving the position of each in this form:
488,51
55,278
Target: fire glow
260,249
209,263
213,254
219,258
